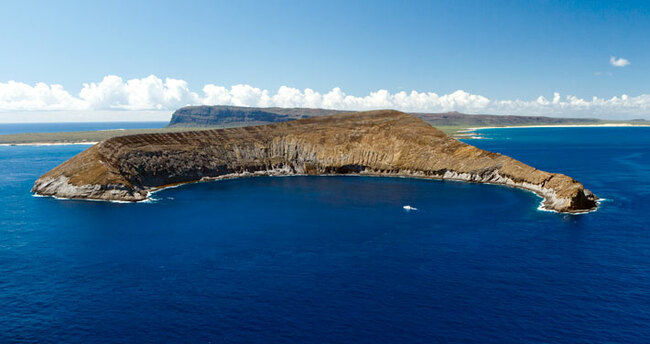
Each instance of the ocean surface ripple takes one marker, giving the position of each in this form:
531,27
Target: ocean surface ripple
336,259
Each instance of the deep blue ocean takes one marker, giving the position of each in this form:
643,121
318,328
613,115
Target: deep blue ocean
336,259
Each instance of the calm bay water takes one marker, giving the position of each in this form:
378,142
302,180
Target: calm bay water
336,259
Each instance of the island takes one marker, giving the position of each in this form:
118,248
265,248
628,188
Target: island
373,143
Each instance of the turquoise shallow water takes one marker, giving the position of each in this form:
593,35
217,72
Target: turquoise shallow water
336,259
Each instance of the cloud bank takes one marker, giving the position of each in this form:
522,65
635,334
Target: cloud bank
618,62
155,94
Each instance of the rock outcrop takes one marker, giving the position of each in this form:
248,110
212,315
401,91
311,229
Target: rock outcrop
239,116
377,143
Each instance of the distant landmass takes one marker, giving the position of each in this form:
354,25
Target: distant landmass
191,118
221,115
375,143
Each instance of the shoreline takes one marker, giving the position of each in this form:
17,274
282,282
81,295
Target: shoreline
546,197
49,143
603,125
468,133
473,134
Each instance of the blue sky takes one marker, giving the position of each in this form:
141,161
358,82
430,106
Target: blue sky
505,50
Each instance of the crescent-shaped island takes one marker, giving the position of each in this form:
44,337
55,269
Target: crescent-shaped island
374,143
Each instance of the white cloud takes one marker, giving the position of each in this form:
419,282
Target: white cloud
149,93
618,62
18,96
153,95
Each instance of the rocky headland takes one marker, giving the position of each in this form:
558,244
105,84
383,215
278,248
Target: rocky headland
239,116
374,143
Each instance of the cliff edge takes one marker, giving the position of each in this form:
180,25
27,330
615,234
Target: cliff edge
378,143
203,116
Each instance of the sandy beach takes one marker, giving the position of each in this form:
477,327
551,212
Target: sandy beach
471,133
558,126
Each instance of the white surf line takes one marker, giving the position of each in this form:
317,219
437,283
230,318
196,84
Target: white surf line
58,198
603,125
49,143
470,133
283,172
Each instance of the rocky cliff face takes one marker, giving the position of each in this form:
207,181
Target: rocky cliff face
233,116
238,116
379,143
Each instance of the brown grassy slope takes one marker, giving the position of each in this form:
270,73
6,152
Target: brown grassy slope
384,142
